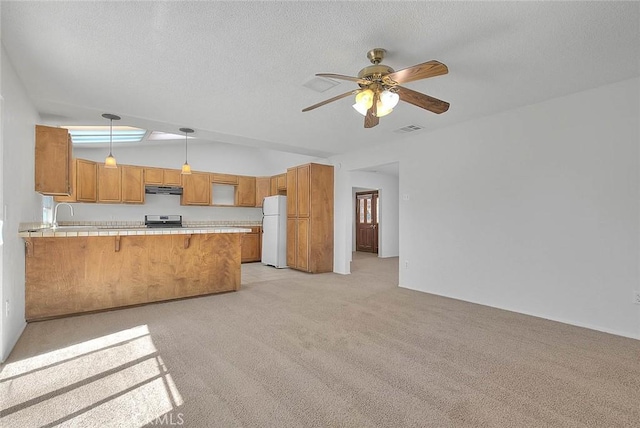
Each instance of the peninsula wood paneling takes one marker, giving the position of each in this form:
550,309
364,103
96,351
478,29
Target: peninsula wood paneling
82,274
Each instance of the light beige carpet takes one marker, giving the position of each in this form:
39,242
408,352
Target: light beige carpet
293,349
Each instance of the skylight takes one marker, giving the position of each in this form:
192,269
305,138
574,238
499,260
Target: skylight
100,134
159,136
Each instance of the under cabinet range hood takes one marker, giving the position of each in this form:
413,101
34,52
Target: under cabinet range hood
163,190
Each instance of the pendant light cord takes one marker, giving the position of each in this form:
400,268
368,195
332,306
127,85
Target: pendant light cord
110,136
185,147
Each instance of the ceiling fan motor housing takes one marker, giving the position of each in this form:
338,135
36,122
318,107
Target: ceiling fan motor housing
375,72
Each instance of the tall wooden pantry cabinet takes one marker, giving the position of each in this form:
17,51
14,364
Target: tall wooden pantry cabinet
310,218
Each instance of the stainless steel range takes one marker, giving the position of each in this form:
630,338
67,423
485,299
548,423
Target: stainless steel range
163,220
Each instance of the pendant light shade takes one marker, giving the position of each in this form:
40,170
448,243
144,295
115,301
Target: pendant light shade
186,168
110,161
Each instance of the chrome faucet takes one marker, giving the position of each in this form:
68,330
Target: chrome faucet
55,213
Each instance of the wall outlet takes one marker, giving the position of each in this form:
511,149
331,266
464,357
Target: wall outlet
406,264
405,196
636,298
6,308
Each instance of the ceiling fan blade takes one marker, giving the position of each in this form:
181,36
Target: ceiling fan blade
372,119
421,100
330,100
417,72
341,77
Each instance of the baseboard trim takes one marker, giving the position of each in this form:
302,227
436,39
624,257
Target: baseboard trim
12,344
560,320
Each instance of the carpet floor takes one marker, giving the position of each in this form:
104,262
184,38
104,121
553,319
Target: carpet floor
298,350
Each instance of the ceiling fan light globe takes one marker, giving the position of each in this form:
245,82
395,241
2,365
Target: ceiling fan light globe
360,108
389,99
382,110
365,98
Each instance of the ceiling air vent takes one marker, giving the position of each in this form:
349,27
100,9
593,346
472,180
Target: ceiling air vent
320,84
408,128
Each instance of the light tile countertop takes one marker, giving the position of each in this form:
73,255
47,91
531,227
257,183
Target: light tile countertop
68,229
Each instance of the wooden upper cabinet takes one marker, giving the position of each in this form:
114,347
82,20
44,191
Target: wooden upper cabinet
246,191
86,181
83,182
53,157
224,178
154,176
172,177
109,184
303,190
132,184
162,177
281,181
292,192
299,191
196,189
263,187
278,184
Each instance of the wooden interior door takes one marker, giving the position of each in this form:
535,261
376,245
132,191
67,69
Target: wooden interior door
367,221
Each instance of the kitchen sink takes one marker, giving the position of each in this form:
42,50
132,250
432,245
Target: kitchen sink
67,228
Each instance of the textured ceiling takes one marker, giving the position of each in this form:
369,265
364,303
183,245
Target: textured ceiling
235,71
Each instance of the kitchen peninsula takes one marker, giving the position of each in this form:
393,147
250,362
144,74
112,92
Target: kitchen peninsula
72,270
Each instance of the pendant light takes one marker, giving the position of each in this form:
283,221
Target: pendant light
186,168
110,161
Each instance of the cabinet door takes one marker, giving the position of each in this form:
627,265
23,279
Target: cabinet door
282,182
246,192
196,189
263,185
303,191
53,154
73,195
251,247
153,176
173,177
86,181
109,184
273,186
132,184
291,242
302,244
292,204
224,178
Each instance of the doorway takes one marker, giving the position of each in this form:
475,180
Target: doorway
367,208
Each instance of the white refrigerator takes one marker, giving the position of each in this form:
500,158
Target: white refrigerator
274,231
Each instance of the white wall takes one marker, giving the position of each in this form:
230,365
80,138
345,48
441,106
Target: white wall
387,186
19,200
214,157
534,210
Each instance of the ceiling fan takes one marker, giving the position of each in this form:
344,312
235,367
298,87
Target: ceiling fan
380,88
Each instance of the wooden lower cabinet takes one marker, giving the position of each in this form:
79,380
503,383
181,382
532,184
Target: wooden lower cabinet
298,243
252,245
